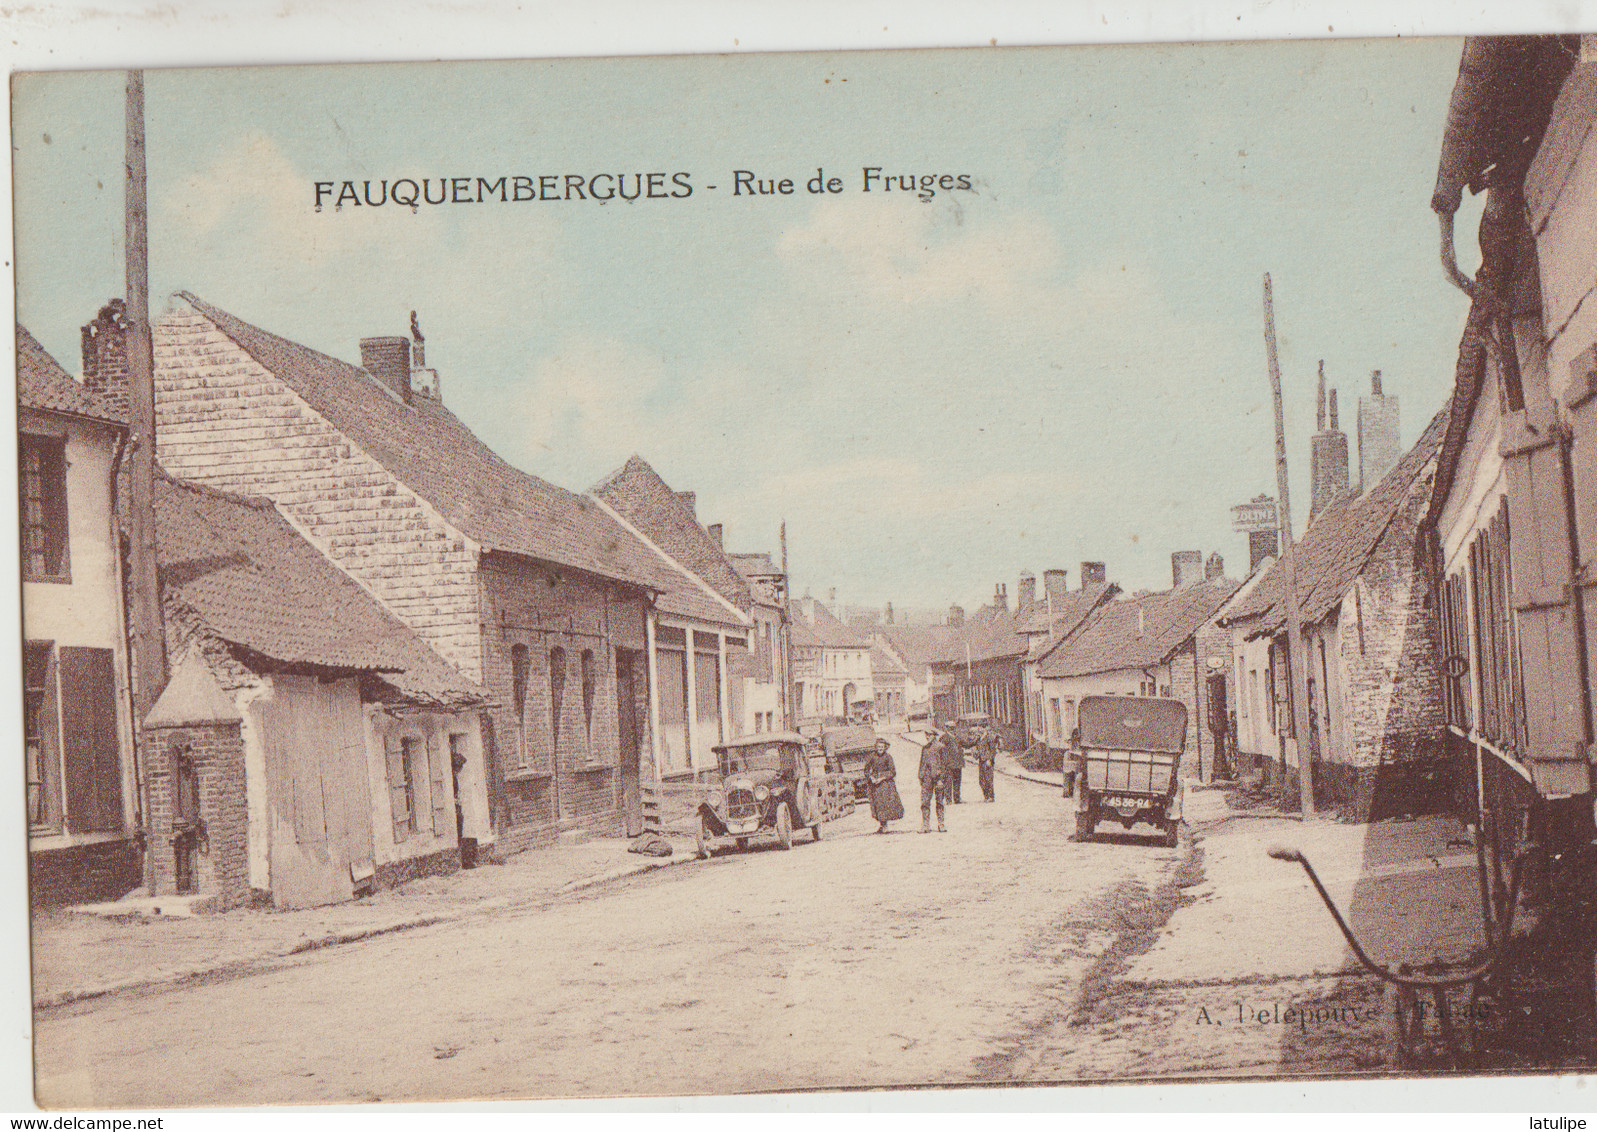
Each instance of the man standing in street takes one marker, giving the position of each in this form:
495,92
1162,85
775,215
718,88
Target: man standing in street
986,755
932,782
953,764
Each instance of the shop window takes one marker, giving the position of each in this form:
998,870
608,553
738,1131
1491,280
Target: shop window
44,509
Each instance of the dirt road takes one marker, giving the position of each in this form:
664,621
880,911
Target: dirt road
861,960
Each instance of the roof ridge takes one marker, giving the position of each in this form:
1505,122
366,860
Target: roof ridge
260,502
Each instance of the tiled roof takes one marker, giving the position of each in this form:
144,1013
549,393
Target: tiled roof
753,564
258,585
827,630
1110,640
1467,377
638,494
1070,612
882,663
925,644
43,384
686,595
1335,548
429,450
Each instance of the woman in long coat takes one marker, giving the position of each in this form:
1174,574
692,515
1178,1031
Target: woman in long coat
886,805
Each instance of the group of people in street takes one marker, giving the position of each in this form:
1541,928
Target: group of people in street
941,774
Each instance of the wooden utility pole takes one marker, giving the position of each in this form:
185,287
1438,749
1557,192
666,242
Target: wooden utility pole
149,636
787,651
1297,662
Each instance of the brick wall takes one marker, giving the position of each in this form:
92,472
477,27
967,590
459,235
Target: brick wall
226,421
222,863
1192,695
544,608
84,874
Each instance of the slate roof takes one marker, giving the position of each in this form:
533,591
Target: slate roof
1338,544
258,585
43,384
636,492
1109,640
429,450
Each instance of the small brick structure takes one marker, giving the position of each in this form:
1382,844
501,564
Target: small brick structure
84,874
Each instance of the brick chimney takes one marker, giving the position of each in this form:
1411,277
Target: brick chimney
388,360
1185,566
105,355
1093,574
689,500
1000,596
1262,545
1327,457
1025,590
956,615
422,380
1053,582
714,530
887,614
1214,568
1379,444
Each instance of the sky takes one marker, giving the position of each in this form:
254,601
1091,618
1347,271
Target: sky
1064,362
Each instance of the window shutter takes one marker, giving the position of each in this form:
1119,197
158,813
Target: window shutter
396,787
1533,458
438,757
89,740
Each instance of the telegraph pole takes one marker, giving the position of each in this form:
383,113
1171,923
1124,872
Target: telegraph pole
1297,662
787,645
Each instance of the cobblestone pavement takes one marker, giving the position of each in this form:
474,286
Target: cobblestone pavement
1001,951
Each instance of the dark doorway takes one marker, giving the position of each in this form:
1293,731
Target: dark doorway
631,749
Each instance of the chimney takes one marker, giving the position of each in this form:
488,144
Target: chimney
1262,545
1327,458
956,616
1093,574
388,360
1214,568
831,596
887,614
422,380
1379,445
1185,566
1053,583
714,530
1025,590
105,355
1000,596
688,499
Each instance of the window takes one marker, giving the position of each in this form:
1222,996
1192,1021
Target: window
520,665
590,687
557,694
402,785
44,509
42,734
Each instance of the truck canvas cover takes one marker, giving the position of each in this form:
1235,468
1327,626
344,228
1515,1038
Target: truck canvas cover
1128,723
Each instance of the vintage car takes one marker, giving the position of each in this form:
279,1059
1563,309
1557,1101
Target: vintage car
969,727
767,787
1127,752
846,750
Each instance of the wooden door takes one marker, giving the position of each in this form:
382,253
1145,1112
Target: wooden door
319,797
631,750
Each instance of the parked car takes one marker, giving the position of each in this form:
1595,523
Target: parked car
767,787
968,729
1127,753
847,749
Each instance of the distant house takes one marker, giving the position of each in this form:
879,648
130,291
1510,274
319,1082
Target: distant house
1375,693
832,664
1044,623
765,679
83,803
308,746
890,680
917,648
1144,645
700,624
531,591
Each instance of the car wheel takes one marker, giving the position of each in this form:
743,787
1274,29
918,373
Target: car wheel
704,840
1172,834
743,843
815,830
784,825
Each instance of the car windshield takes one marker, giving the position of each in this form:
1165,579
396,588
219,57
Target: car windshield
750,759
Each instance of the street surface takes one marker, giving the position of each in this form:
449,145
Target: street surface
996,952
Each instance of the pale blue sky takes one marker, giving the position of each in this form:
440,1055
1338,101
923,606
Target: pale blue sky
1066,363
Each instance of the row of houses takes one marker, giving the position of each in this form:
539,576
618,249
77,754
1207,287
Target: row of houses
390,650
